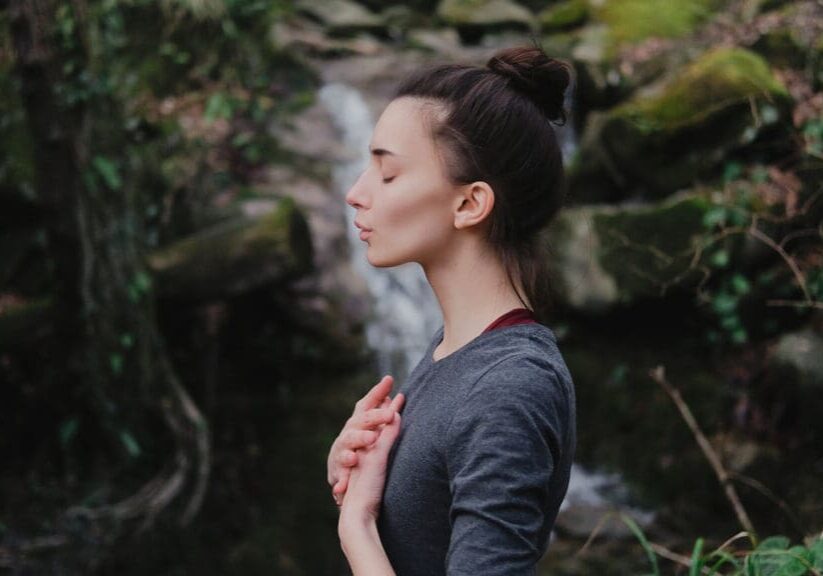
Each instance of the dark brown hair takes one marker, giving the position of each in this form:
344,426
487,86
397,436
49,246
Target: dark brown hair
496,128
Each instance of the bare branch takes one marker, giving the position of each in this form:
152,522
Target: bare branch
658,374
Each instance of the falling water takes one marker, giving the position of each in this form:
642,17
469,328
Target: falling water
405,313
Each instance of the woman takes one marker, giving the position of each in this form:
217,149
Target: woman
465,172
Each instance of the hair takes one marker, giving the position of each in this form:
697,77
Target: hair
495,126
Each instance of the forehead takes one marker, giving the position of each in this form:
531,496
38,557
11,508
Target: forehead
403,129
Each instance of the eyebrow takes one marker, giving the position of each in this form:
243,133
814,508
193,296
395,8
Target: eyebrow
382,152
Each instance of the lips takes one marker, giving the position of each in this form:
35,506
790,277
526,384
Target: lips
364,232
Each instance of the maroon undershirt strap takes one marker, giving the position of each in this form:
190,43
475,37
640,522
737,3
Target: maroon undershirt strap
512,317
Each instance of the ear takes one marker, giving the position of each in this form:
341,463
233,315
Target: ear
474,203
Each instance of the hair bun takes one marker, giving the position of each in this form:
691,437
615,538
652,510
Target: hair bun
543,79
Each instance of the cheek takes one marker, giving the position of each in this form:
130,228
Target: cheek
419,209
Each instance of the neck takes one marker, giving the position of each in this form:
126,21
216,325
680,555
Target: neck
472,289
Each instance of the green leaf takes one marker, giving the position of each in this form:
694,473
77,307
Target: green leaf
741,284
218,106
696,565
720,259
740,336
774,543
724,303
723,558
816,549
242,139
759,174
739,217
130,443
629,521
68,430
108,171
732,171
142,282
126,340
116,362
714,216
731,322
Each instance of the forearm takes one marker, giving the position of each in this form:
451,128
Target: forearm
363,549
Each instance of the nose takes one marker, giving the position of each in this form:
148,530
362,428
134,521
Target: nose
356,196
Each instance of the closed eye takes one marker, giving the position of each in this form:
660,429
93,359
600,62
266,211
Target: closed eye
387,180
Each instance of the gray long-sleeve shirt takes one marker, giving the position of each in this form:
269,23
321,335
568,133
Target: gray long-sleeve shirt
482,462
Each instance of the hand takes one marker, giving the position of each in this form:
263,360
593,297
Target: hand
361,503
371,411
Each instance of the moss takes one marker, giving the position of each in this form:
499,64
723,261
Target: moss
564,15
236,255
630,21
484,12
646,247
718,79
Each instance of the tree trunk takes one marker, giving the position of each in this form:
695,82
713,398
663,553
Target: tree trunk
109,354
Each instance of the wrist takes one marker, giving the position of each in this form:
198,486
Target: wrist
356,531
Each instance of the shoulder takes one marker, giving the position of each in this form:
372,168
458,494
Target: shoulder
523,362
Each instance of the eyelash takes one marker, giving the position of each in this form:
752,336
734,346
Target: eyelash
387,180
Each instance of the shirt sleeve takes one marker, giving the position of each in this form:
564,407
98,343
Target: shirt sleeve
503,444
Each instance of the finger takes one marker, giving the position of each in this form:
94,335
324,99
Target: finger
374,417
374,396
347,459
342,484
397,402
356,439
388,434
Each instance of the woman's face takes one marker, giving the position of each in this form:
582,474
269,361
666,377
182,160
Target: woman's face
403,196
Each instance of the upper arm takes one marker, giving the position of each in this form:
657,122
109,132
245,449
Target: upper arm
502,448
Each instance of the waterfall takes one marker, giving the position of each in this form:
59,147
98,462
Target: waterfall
405,313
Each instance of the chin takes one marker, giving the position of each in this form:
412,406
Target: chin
379,261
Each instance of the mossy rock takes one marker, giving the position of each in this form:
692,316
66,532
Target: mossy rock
781,47
563,15
236,256
655,144
419,6
342,17
631,21
473,18
788,47
601,80
608,256
796,366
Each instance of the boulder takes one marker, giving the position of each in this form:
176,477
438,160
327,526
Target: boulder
264,246
632,21
683,128
563,15
605,256
342,17
309,37
796,366
442,41
473,18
